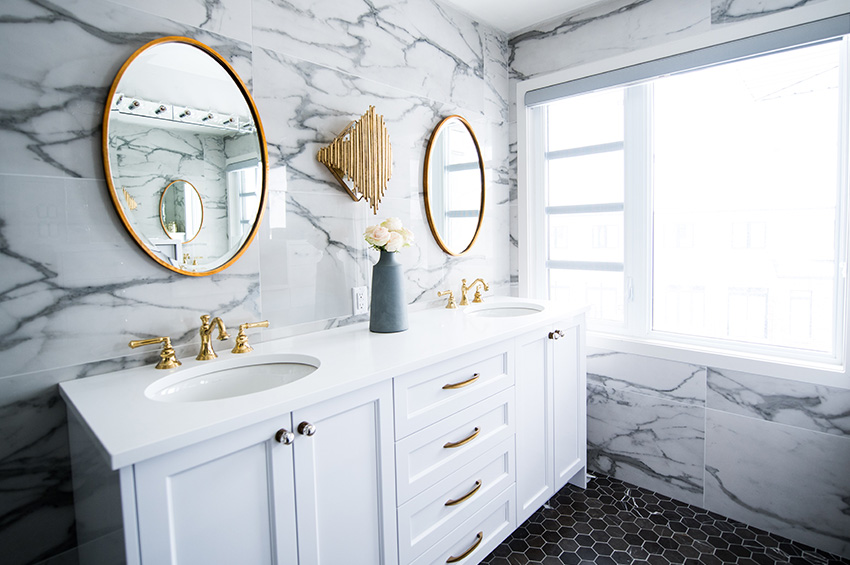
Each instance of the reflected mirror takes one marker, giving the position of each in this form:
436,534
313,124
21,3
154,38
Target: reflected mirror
181,211
185,156
454,185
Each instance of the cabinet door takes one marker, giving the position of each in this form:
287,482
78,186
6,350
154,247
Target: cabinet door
570,404
534,464
223,501
344,479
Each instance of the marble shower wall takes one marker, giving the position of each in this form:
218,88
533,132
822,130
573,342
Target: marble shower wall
74,288
770,452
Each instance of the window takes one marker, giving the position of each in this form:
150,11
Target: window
704,207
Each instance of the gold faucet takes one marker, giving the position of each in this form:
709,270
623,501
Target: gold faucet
242,345
207,327
464,288
167,357
451,304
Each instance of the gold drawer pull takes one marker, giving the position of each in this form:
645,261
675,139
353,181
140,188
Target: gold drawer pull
464,497
462,384
478,537
464,441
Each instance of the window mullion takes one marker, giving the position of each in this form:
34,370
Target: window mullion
638,216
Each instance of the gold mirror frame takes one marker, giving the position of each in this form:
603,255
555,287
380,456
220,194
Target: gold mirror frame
425,181
162,202
261,140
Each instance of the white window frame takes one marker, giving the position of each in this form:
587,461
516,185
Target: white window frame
531,221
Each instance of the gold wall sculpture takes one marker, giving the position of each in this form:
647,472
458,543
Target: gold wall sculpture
361,153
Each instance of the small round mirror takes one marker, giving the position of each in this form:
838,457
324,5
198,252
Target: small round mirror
178,110
454,185
181,211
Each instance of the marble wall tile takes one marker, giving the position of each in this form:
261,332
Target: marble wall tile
801,405
669,380
229,18
650,442
789,481
726,11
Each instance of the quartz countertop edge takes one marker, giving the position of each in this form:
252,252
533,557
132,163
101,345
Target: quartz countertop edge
129,427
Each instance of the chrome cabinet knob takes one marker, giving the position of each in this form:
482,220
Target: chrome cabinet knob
306,429
284,436
557,334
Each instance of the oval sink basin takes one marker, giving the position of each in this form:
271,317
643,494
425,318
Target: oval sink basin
503,309
231,379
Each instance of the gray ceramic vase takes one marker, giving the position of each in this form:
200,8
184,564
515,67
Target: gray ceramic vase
388,313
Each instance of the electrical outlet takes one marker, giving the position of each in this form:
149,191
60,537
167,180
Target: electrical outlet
358,300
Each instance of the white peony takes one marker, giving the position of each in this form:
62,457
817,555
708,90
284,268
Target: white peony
395,243
392,224
377,235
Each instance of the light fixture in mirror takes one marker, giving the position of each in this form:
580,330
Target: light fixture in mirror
181,211
454,185
184,152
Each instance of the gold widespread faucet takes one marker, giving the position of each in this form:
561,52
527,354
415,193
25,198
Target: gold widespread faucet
451,304
242,345
464,288
207,327
167,357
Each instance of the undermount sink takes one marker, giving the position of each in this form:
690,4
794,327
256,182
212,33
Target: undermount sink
232,377
503,309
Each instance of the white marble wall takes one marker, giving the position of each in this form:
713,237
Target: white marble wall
770,452
73,286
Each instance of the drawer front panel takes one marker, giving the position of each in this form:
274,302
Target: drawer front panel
433,393
476,537
440,509
439,450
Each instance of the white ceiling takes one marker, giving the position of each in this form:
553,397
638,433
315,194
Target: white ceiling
511,16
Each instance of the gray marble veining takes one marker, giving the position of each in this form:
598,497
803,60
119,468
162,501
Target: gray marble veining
725,11
802,405
786,480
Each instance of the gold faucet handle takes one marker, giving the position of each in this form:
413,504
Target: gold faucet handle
477,299
451,304
167,357
242,345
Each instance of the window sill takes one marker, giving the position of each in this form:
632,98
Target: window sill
826,374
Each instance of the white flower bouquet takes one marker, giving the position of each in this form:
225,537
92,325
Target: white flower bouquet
388,236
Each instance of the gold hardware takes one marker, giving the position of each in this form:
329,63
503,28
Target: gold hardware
557,334
478,537
131,202
362,153
167,357
463,383
207,327
306,429
464,441
452,303
284,436
464,288
453,502
242,345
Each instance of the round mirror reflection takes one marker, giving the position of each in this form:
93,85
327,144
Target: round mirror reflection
178,110
181,211
454,185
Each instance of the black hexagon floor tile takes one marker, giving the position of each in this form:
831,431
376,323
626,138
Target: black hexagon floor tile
615,523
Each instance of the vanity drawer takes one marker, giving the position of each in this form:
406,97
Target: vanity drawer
439,450
440,509
478,536
430,394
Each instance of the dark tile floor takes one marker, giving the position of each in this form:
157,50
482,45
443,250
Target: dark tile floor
612,523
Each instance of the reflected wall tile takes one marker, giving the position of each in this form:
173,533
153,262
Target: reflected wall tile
71,263
659,378
419,46
786,480
602,31
802,405
646,441
726,11
60,63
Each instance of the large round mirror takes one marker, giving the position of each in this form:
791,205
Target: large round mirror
185,156
454,185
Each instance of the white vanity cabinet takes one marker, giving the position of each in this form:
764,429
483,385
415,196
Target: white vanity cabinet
551,413
323,499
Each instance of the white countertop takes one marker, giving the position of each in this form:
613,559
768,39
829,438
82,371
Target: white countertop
130,427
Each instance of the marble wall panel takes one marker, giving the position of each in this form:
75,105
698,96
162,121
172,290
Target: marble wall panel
727,11
790,481
229,18
647,441
802,405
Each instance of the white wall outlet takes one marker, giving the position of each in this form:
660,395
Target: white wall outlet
358,300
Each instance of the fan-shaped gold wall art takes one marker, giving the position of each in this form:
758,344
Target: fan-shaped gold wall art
362,154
